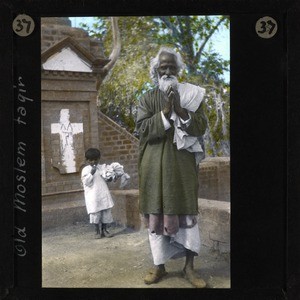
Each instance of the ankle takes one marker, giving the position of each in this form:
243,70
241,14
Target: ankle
160,267
188,269
97,229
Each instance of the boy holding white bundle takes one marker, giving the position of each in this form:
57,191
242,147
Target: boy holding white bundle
98,199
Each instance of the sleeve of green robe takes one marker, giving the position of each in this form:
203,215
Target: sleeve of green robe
198,122
149,121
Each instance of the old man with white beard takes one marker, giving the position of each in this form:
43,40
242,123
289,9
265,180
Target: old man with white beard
170,121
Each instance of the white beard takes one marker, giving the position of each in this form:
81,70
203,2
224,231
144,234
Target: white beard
164,82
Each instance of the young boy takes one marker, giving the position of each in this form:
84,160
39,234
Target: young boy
98,199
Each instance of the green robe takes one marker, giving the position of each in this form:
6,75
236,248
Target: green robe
168,178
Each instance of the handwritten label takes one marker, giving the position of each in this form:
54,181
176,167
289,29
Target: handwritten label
266,27
23,99
20,241
20,168
23,25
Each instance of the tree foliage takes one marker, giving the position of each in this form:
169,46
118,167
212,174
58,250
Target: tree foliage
190,35
141,38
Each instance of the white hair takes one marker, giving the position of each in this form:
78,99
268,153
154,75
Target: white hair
154,63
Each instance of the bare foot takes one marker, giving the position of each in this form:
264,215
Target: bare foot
154,275
193,277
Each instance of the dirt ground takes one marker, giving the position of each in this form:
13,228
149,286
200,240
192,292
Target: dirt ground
73,258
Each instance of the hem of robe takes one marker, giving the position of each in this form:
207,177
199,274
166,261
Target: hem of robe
168,224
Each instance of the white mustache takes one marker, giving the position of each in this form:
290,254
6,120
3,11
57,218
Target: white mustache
165,81
168,78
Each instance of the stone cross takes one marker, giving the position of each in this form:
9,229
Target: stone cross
67,131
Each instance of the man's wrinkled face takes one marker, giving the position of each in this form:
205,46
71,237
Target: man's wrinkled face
167,71
167,65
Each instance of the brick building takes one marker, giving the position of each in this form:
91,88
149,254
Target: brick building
72,63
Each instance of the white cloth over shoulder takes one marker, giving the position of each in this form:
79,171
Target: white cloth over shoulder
191,97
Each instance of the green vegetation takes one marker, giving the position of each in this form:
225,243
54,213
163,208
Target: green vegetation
141,38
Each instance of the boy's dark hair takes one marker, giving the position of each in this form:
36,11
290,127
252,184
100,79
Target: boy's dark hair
92,153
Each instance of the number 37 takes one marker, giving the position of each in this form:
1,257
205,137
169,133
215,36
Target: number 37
23,25
267,26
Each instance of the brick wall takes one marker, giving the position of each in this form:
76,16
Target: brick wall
126,210
118,145
214,224
214,178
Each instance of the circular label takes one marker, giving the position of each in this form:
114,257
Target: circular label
266,27
23,25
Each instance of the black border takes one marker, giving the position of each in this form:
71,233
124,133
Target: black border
293,178
264,106
6,151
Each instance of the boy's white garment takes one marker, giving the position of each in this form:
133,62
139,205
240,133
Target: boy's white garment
96,192
103,216
165,247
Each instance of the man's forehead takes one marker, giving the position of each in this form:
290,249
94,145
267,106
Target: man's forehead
167,57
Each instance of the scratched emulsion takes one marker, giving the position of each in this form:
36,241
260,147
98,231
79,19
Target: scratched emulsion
67,131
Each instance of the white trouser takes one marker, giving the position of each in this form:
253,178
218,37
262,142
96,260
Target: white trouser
165,247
